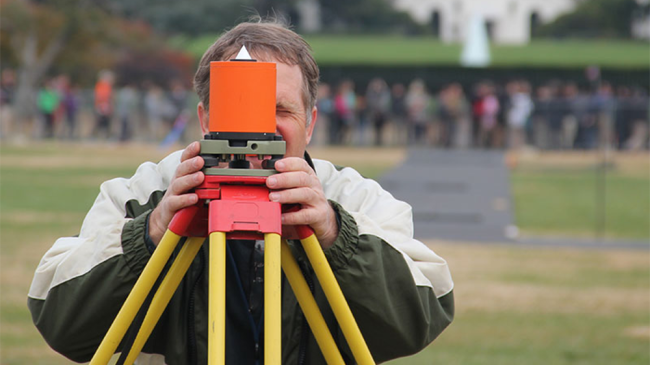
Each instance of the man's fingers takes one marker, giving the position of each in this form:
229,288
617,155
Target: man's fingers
302,217
293,164
185,183
290,180
190,151
303,196
189,166
178,202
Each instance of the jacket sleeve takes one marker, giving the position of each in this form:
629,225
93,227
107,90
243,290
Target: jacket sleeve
400,292
81,282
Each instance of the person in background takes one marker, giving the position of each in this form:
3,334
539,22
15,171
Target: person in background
500,134
477,112
325,106
70,105
358,131
605,106
556,110
398,114
7,91
155,109
488,118
48,102
104,104
453,115
417,108
126,105
519,111
587,136
345,108
378,106
576,105
639,105
541,116
178,96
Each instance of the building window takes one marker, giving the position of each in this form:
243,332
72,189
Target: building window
435,23
534,23
489,27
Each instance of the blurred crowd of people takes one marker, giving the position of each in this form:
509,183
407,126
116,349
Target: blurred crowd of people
146,112
555,115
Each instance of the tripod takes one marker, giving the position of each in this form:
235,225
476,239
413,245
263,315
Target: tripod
234,204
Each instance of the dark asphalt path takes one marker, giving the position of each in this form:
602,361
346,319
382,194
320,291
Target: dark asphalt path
455,194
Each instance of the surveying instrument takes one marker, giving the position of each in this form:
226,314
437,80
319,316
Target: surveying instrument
234,204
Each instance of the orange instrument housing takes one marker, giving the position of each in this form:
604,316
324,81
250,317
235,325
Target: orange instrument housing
242,97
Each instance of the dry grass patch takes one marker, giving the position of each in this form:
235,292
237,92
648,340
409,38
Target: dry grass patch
624,260
493,296
495,278
626,163
78,155
35,217
638,332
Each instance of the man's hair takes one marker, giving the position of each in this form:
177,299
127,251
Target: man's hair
263,38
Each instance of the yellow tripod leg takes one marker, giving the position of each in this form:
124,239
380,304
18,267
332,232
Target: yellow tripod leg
272,300
164,294
309,307
337,301
217,300
135,299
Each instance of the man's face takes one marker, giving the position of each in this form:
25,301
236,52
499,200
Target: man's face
290,114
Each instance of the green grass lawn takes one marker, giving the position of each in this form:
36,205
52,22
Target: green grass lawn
544,306
578,198
541,205
514,305
418,51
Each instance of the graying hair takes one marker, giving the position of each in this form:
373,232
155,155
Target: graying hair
272,38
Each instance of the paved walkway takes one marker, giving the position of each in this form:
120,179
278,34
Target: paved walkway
584,243
455,194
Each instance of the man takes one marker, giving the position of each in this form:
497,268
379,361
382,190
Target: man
104,103
399,291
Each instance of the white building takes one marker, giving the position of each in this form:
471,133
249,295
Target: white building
507,21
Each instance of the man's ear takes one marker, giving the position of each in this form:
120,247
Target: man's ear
310,129
203,118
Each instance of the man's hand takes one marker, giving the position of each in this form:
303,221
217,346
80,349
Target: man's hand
188,175
297,183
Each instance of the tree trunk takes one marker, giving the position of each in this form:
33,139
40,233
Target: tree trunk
32,70
25,102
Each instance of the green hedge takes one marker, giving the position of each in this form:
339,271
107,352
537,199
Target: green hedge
426,51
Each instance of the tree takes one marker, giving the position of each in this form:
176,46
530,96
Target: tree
594,18
209,16
35,34
188,18
371,16
78,38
